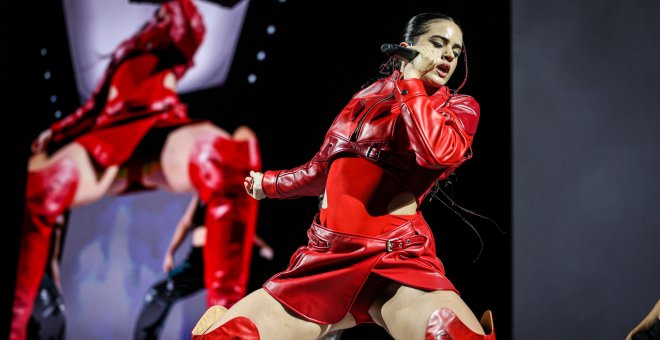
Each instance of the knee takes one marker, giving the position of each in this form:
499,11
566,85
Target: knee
50,191
206,165
445,324
427,316
243,133
218,323
160,292
219,164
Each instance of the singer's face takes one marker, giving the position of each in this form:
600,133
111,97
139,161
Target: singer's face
446,37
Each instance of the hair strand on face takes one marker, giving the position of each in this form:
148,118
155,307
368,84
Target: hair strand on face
464,53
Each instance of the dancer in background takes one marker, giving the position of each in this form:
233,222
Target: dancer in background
371,256
48,319
187,277
132,134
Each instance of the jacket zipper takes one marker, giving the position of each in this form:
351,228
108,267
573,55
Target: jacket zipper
358,129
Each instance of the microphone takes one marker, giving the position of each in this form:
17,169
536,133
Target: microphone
399,52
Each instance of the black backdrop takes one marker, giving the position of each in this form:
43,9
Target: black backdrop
320,54
586,164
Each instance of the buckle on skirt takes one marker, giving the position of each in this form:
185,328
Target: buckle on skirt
388,245
316,241
398,244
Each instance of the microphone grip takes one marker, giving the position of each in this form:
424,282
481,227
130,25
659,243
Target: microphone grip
399,52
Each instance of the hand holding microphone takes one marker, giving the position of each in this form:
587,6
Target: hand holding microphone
399,52
418,60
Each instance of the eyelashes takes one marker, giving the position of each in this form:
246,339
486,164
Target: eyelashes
437,44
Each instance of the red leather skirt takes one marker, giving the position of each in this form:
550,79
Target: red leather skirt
337,273
114,145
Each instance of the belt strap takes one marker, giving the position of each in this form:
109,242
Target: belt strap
390,245
402,243
316,241
377,151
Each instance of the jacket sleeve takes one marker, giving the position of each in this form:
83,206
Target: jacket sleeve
305,180
440,137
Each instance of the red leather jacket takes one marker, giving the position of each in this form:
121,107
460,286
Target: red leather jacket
417,138
173,38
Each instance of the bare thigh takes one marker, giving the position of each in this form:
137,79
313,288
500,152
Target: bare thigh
176,154
406,313
91,185
271,318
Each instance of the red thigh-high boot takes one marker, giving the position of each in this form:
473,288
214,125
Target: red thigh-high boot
444,325
240,328
49,193
218,168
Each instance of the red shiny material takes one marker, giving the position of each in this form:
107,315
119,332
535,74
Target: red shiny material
358,194
444,325
239,328
131,97
49,193
218,167
329,277
417,138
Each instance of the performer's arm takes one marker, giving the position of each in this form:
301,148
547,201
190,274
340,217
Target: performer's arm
439,137
265,250
647,322
305,180
185,223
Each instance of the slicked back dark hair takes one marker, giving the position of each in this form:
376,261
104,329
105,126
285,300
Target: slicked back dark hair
419,25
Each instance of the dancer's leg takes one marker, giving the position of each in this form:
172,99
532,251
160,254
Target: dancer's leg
260,316
415,314
54,185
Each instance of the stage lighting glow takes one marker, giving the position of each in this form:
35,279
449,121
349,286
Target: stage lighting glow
270,29
252,78
43,52
261,55
58,114
47,75
53,98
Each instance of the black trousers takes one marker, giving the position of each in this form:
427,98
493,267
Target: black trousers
184,280
48,319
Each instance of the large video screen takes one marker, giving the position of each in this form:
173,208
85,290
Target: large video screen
112,254
97,27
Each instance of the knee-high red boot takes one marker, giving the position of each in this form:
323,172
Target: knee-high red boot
48,194
218,169
240,328
444,325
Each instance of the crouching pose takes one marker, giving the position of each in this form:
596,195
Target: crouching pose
132,134
371,256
